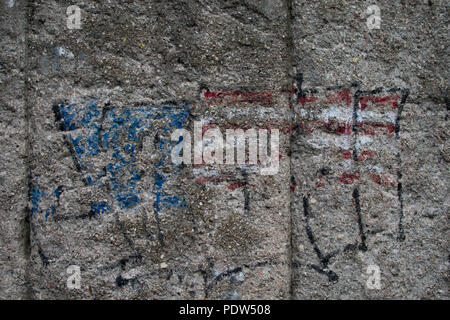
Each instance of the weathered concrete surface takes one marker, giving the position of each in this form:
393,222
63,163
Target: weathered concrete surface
106,196
346,176
13,194
364,157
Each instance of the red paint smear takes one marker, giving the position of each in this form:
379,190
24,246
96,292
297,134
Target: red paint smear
304,100
346,154
348,178
336,127
332,98
366,154
389,127
364,100
293,185
210,95
343,95
236,184
378,179
345,128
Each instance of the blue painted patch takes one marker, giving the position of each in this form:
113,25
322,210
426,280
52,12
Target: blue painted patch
116,133
36,195
99,207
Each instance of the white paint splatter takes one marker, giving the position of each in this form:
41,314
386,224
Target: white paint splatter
379,116
63,52
336,113
363,140
323,140
206,172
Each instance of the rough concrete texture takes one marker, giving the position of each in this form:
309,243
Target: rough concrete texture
377,193
13,172
86,121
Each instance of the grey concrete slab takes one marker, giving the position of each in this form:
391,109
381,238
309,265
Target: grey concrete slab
359,165
13,194
105,194
356,209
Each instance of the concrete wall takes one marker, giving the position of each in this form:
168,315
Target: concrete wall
87,116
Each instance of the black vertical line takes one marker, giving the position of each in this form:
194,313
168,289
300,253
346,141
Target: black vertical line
362,246
155,210
355,195
246,192
290,75
355,124
27,224
309,233
324,259
401,231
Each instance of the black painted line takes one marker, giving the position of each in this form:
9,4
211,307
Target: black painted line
246,192
401,230
362,246
324,260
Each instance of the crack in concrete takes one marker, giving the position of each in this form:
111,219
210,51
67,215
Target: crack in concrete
27,227
290,75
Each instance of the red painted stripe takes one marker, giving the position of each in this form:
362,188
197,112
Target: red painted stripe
364,101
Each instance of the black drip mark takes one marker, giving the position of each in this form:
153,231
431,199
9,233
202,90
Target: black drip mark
299,80
59,190
210,280
401,230
362,246
156,142
72,153
203,87
206,274
44,258
350,247
405,94
91,214
124,233
58,115
227,273
447,104
105,110
246,192
141,137
131,259
324,259
120,281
